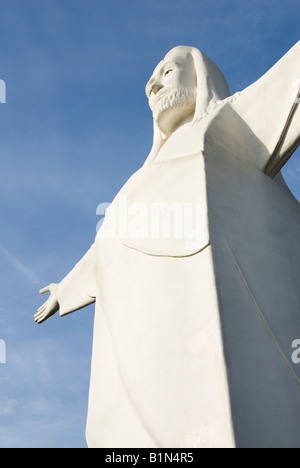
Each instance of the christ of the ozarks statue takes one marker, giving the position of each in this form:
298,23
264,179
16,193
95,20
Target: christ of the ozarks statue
192,337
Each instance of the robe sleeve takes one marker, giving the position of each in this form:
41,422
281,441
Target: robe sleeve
78,288
270,108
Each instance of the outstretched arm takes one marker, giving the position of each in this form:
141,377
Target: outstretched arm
270,107
76,290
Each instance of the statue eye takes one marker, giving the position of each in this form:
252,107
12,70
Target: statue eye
167,72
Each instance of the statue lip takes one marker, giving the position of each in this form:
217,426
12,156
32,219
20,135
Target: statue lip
160,94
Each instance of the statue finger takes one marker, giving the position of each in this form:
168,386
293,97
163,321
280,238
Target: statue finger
41,318
38,315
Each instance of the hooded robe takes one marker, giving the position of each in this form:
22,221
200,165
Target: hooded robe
192,340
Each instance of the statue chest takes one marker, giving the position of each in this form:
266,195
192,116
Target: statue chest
162,209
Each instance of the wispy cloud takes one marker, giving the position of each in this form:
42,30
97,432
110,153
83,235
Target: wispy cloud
27,272
7,405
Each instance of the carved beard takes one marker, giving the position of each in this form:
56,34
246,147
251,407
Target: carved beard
171,98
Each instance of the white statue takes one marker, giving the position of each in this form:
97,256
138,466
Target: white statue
194,325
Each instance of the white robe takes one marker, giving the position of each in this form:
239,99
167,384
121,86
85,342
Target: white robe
192,345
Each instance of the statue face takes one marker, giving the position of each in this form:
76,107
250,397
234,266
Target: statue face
172,91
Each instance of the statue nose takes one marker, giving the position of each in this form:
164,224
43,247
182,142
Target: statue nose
156,87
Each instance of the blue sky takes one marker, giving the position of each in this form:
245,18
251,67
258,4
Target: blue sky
75,126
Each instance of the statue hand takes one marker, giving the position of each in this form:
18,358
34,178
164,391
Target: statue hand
50,307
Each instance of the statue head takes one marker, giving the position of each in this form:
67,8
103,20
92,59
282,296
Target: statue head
171,90
180,90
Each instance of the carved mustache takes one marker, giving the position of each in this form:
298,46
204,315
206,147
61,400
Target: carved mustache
169,97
